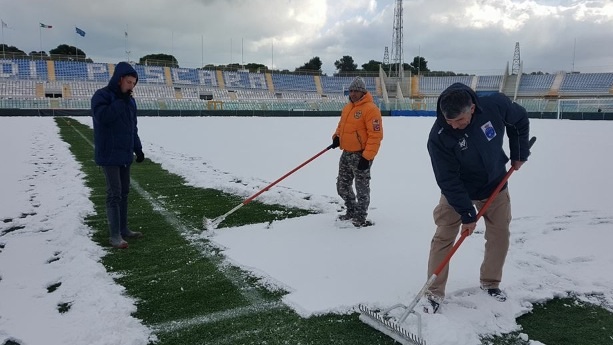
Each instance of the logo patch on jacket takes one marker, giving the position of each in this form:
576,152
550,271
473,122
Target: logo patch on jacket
357,114
488,130
376,125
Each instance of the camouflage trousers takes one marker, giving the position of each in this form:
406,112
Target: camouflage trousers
356,203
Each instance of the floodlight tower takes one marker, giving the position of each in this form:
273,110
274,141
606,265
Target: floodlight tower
516,60
397,65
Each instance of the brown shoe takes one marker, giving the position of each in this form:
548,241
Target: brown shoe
119,245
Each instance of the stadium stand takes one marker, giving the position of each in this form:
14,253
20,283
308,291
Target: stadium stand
290,82
77,71
339,85
22,69
535,85
244,80
190,76
46,84
17,89
430,86
596,84
489,83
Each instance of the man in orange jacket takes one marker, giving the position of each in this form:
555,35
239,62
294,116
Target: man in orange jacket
359,134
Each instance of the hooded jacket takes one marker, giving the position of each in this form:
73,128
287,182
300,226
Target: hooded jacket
468,164
115,124
360,128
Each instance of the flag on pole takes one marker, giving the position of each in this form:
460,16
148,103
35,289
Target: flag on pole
4,25
45,26
126,34
80,32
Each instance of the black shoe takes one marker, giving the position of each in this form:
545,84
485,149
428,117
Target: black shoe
360,223
345,216
432,306
498,294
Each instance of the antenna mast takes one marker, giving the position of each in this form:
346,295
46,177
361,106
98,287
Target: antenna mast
397,65
516,60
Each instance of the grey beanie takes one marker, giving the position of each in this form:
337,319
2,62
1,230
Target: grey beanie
358,84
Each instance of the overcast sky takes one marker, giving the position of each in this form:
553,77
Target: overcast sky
467,36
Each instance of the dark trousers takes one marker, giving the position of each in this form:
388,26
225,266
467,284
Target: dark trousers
117,189
356,202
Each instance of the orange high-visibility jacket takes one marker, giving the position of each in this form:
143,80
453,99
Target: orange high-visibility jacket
360,127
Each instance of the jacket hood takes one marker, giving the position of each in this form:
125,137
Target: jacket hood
440,118
121,69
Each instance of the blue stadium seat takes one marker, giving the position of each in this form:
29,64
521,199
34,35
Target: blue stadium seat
81,71
289,82
584,83
489,82
150,74
436,85
535,84
338,85
23,69
191,76
244,80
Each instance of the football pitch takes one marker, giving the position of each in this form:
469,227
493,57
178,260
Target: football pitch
189,294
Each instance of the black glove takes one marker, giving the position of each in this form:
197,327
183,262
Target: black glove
140,156
363,164
336,142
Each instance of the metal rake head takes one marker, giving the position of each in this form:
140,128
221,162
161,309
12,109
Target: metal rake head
386,326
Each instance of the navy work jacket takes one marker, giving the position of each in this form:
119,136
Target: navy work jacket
115,124
468,164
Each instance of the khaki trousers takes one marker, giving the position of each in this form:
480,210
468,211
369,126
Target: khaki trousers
497,220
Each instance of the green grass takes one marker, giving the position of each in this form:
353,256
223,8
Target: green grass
569,321
188,294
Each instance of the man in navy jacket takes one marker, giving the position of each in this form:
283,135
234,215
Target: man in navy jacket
468,160
116,141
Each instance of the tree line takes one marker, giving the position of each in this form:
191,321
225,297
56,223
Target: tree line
345,65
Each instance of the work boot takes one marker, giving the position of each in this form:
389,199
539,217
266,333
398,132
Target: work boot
360,222
118,243
349,215
433,304
346,216
498,294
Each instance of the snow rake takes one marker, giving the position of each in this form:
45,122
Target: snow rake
384,323
210,224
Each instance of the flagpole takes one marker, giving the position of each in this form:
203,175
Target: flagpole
126,43
76,56
3,44
40,33
202,48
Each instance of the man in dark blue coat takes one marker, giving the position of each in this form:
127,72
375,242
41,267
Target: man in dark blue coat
116,141
468,159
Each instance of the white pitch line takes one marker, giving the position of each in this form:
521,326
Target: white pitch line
173,326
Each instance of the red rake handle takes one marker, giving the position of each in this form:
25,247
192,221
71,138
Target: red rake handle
286,175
